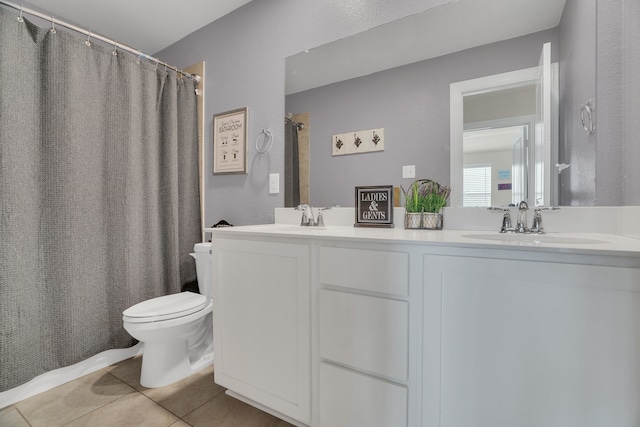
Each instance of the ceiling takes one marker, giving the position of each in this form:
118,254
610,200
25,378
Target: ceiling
452,27
498,139
147,25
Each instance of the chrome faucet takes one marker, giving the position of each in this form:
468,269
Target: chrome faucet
307,215
521,223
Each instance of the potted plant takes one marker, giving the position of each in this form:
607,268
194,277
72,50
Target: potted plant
424,201
435,198
413,204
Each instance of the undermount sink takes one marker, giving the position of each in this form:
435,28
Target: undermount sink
300,228
284,228
533,238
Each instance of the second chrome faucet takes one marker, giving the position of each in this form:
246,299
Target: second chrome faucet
521,222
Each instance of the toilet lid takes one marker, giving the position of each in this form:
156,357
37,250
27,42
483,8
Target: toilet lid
165,307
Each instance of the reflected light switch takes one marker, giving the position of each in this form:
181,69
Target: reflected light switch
274,183
409,171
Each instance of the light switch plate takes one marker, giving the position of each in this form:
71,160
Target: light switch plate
409,171
274,183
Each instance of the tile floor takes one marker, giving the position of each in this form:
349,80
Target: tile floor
114,397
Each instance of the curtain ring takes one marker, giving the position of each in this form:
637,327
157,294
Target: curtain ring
267,136
53,25
88,42
20,19
115,48
139,57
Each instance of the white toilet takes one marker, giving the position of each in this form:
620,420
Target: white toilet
177,329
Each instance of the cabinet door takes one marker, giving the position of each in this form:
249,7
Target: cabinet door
262,323
515,343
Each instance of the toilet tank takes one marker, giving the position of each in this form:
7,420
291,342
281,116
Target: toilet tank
203,268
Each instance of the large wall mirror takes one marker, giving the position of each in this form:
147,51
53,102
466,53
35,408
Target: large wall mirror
399,76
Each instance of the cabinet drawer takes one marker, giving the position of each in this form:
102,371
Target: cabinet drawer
368,333
351,399
376,271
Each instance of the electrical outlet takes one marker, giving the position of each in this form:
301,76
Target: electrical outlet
274,183
409,171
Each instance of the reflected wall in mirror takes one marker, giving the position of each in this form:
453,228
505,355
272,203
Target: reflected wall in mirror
410,97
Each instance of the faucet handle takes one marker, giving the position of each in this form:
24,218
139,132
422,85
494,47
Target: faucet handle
304,221
536,227
506,221
506,218
307,219
320,222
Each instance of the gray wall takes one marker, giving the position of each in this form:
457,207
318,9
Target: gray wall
617,147
631,103
411,103
577,38
245,55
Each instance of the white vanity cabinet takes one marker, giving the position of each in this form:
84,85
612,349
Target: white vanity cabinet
370,328
261,323
530,343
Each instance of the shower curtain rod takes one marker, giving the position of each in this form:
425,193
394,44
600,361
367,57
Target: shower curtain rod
299,125
96,36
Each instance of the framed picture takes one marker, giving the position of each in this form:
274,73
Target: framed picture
374,206
230,142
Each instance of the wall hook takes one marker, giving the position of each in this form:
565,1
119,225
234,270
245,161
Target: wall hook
561,167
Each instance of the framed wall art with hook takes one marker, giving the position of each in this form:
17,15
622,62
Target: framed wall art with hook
230,142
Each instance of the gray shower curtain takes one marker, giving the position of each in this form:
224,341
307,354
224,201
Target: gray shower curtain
291,165
99,203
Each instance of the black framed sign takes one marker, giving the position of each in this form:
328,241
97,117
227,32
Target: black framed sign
374,206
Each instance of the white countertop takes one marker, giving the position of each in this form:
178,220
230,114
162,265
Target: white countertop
567,243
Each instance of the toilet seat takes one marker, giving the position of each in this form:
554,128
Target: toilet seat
165,308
